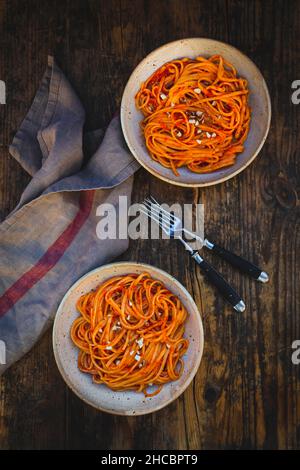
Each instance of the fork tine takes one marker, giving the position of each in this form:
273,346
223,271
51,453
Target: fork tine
153,199
155,216
158,212
154,202
155,208
159,219
164,227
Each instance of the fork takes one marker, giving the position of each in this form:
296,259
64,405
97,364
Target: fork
235,260
209,272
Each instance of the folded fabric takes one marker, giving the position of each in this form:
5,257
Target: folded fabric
50,239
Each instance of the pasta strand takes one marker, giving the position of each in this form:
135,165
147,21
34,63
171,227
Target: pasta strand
196,114
130,334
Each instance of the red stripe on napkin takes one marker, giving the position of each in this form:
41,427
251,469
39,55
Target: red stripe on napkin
51,256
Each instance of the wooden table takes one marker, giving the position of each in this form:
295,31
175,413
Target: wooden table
246,392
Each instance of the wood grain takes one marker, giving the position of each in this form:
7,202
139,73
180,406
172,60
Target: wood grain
246,393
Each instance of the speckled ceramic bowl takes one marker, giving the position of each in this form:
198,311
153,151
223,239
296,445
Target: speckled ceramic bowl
101,397
259,101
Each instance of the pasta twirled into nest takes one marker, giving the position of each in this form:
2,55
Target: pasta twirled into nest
130,334
196,114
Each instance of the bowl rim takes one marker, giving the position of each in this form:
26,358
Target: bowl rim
192,373
222,178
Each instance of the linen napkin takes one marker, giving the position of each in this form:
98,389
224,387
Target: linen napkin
50,239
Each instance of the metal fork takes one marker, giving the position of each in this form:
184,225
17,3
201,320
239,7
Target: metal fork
209,272
237,261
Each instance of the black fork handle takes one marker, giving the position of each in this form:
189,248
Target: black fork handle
238,262
219,282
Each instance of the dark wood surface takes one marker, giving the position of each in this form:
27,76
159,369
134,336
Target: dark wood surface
247,391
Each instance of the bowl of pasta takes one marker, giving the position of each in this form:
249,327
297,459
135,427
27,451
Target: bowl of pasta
195,112
128,338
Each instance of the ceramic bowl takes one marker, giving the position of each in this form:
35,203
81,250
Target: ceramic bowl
100,396
259,101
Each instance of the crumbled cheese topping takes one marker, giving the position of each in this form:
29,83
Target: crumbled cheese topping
116,327
197,90
199,141
163,96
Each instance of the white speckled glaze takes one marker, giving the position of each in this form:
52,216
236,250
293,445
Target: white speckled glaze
101,397
259,101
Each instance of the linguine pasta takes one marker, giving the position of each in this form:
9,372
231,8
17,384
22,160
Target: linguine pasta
130,334
196,114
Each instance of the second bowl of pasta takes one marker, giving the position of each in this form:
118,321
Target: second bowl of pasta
128,338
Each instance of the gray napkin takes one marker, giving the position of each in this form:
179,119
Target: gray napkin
50,239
